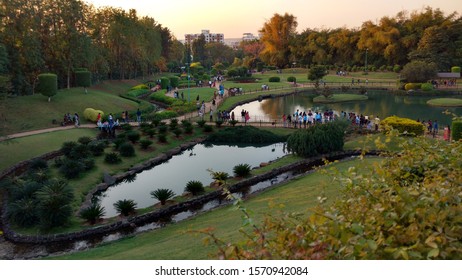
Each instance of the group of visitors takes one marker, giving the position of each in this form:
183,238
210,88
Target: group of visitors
303,119
444,83
245,116
69,120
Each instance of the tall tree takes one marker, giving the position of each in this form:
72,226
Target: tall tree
276,35
198,50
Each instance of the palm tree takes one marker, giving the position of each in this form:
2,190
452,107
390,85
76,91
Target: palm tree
92,213
162,195
125,207
194,187
54,201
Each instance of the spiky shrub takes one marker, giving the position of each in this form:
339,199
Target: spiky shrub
125,207
162,138
97,148
177,131
218,123
133,136
220,176
88,163
208,128
194,187
162,195
67,147
38,164
112,158
189,129
79,152
233,122
127,150
84,140
151,132
185,123
201,123
118,142
23,212
242,170
93,213
162,129
126,127
156,122
71,168
145,143
54,204
173,124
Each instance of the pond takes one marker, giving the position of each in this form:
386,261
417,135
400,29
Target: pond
381,103
192,164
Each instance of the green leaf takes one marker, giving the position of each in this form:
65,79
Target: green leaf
433,253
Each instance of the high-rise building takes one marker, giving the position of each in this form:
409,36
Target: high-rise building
249,37
209,37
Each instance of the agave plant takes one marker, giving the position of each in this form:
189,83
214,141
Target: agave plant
162,195
194,187
242,170
92,213
125,207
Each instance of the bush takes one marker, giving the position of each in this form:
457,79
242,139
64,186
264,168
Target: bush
318,139
166,114
242,170
145,143
91,114
48,85
162,129
137,92
456,130
85,140
274,79
97,148
92,213
208,128
188,129
54,204
164,82
68,147
162,138
177,131
112,158
403,125
455,69
71,168
396,68
125,207
173,124
38,164
23,212
151,132
245,134
194,187
162,195
426,87
412,86
201,123
174,81
140,86
133,136
233,122
83,78
88,163
219,123
126,150
291,79
79,152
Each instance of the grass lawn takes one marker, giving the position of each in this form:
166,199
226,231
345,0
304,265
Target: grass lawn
337,98
19,149
175,242
32,112
445,102
204,93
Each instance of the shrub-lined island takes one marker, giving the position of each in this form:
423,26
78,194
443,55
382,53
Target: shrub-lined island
445,102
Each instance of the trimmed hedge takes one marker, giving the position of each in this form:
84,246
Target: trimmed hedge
403,125
174,81
140,86
456,130
92,114
412,86
455,69
48,85
426,87
274,79
291,79
83,78
164,82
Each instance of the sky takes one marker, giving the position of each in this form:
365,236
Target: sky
235,17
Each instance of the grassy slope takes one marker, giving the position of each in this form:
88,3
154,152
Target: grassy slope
174,242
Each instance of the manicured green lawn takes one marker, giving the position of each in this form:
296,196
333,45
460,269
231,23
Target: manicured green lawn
19,149
445,102
33,112
175,242
336,98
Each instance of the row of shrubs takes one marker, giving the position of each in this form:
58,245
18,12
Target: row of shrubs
417,86
127,207
403,125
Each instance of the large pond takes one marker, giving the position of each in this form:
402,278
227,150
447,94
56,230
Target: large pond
380,103
192,164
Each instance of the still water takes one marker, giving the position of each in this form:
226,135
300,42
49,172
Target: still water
192,164
382,104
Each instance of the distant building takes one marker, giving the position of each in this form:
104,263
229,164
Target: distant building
209,37
448,75
249,37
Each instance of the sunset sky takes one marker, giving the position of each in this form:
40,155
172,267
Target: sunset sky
234,17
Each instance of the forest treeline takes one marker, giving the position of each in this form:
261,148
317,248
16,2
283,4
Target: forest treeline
60,36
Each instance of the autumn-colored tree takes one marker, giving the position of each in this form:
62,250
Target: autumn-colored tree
276,35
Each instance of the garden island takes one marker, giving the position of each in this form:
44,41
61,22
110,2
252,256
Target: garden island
118,141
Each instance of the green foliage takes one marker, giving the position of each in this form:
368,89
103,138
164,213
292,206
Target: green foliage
140,86
83,78
162,138
133,136
162,129
456,130
242,170
125,207
194,187
92,114
162,195
71,168
164,82
166,114
173,124
137,92
92,213
274,79
233,122
189,129
23,212
85,140
38,164
219,123
455,69
174,81
316,73
97,147
67,147
207,128
291,79
126,150
145,143
54,204
177,131
412,86
112,158
403,125
48,85
396,68
318,139
244,134
419,71
426,87
201,123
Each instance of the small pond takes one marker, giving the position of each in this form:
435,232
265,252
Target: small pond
191,164
381,103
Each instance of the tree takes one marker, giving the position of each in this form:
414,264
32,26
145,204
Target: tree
316,73
83,79
419,71
198,50
48,85
276,35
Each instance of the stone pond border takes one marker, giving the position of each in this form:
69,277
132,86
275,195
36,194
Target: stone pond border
135,221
